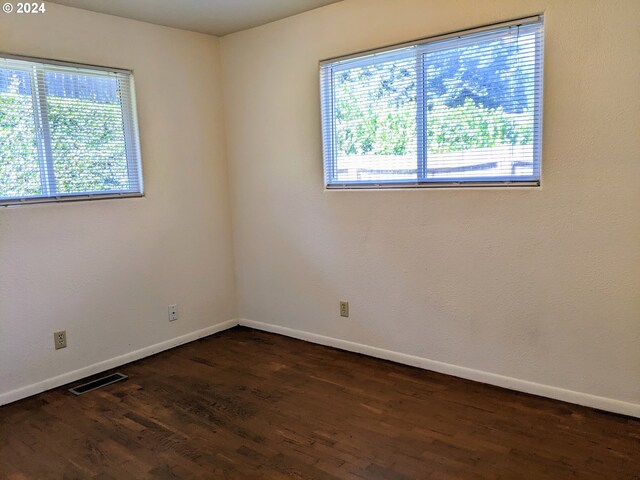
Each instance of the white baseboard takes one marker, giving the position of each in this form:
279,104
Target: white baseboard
585,399
588,400
69,377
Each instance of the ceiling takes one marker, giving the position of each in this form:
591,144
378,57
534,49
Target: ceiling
215,17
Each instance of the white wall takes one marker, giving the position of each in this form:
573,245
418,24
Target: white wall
541,285
107,270
536,284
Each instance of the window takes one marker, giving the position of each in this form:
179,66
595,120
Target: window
67,132
459,109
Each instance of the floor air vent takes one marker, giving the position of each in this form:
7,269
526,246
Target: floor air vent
100,382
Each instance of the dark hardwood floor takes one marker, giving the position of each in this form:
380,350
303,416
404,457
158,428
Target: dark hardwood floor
246,404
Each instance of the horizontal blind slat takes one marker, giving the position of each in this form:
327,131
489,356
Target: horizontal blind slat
87,122
463,109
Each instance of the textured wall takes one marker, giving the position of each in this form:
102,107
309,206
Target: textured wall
540,284
107,270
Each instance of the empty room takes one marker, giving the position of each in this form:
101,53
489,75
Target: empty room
320,239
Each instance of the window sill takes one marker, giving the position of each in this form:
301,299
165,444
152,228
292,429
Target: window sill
430,186
68,198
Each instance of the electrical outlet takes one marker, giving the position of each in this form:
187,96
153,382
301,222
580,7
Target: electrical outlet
60,339
344,308
173,313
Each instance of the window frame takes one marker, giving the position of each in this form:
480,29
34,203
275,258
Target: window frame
131,135
420,47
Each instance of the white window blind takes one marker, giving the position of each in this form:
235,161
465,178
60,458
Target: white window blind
459,109
67,132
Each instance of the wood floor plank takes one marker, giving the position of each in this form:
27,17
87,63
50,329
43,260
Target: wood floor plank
246,404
